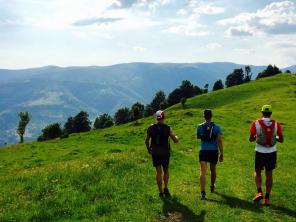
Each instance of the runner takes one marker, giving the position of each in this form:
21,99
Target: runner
159,148
266,132
210,135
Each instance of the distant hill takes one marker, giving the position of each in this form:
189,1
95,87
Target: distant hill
291,68
51,93
107,174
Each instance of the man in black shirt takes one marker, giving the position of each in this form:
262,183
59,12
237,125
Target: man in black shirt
157,143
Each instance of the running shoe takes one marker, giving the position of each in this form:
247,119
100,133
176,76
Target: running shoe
203,195
166,192
266,202
212,188
258,197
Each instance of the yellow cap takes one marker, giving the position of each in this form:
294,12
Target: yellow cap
266,109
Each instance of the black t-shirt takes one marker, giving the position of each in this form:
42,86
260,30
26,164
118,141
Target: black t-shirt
159,138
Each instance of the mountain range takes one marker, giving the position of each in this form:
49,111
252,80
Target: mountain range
52,94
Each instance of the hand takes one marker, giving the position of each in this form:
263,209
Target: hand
221,158
149,150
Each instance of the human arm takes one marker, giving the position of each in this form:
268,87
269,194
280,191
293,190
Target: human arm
198,133
253,136
173,136
280,137
147,143
220,146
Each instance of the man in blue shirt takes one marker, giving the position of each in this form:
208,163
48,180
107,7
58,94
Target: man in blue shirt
210,135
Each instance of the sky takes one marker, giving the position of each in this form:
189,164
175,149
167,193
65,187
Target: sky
36,33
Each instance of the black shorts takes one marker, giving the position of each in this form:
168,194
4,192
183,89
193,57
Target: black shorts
161,160
210,156
265,160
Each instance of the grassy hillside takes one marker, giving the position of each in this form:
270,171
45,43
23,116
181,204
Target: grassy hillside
107,175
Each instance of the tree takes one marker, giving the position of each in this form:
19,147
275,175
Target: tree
24,120
248,75
269,71
137,111
206,88
288,71
197,90
51,131
159,101
81,122
69,125
122,116
174,97
183,102
103,121
186,90
235,78
218,85
148,110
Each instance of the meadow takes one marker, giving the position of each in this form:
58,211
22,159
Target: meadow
107,175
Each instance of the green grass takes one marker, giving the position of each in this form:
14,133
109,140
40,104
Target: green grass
107,175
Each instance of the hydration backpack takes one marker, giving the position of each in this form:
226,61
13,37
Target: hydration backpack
160,138
266,134
209,133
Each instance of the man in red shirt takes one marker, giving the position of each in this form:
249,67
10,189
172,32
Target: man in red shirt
266,132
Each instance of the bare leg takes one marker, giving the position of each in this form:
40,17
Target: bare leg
213,173
268,181
202,177
258,178
166,176
159,178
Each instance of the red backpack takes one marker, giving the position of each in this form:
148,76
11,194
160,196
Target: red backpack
267,135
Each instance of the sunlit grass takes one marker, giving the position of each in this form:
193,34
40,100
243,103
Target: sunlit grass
107,175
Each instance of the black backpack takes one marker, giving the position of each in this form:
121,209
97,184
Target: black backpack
209,133
160,138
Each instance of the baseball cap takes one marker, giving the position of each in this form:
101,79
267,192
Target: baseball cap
159,115
266,109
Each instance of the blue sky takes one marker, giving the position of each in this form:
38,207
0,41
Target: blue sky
36,33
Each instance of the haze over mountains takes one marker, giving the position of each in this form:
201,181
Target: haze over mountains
51,94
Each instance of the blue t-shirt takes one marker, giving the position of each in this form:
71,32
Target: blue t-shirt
213,145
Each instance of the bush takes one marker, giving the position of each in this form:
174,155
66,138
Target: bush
122,116
235,78
183,101
218,85
103,121
51,131
77,124
269,71
148,111
185,90
158,102
137,111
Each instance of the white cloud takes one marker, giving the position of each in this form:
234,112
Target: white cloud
182,12
135,48
188,27
275,18
188,23
54,14
244,51
156,4
213,46
96,21
139,49
205,8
